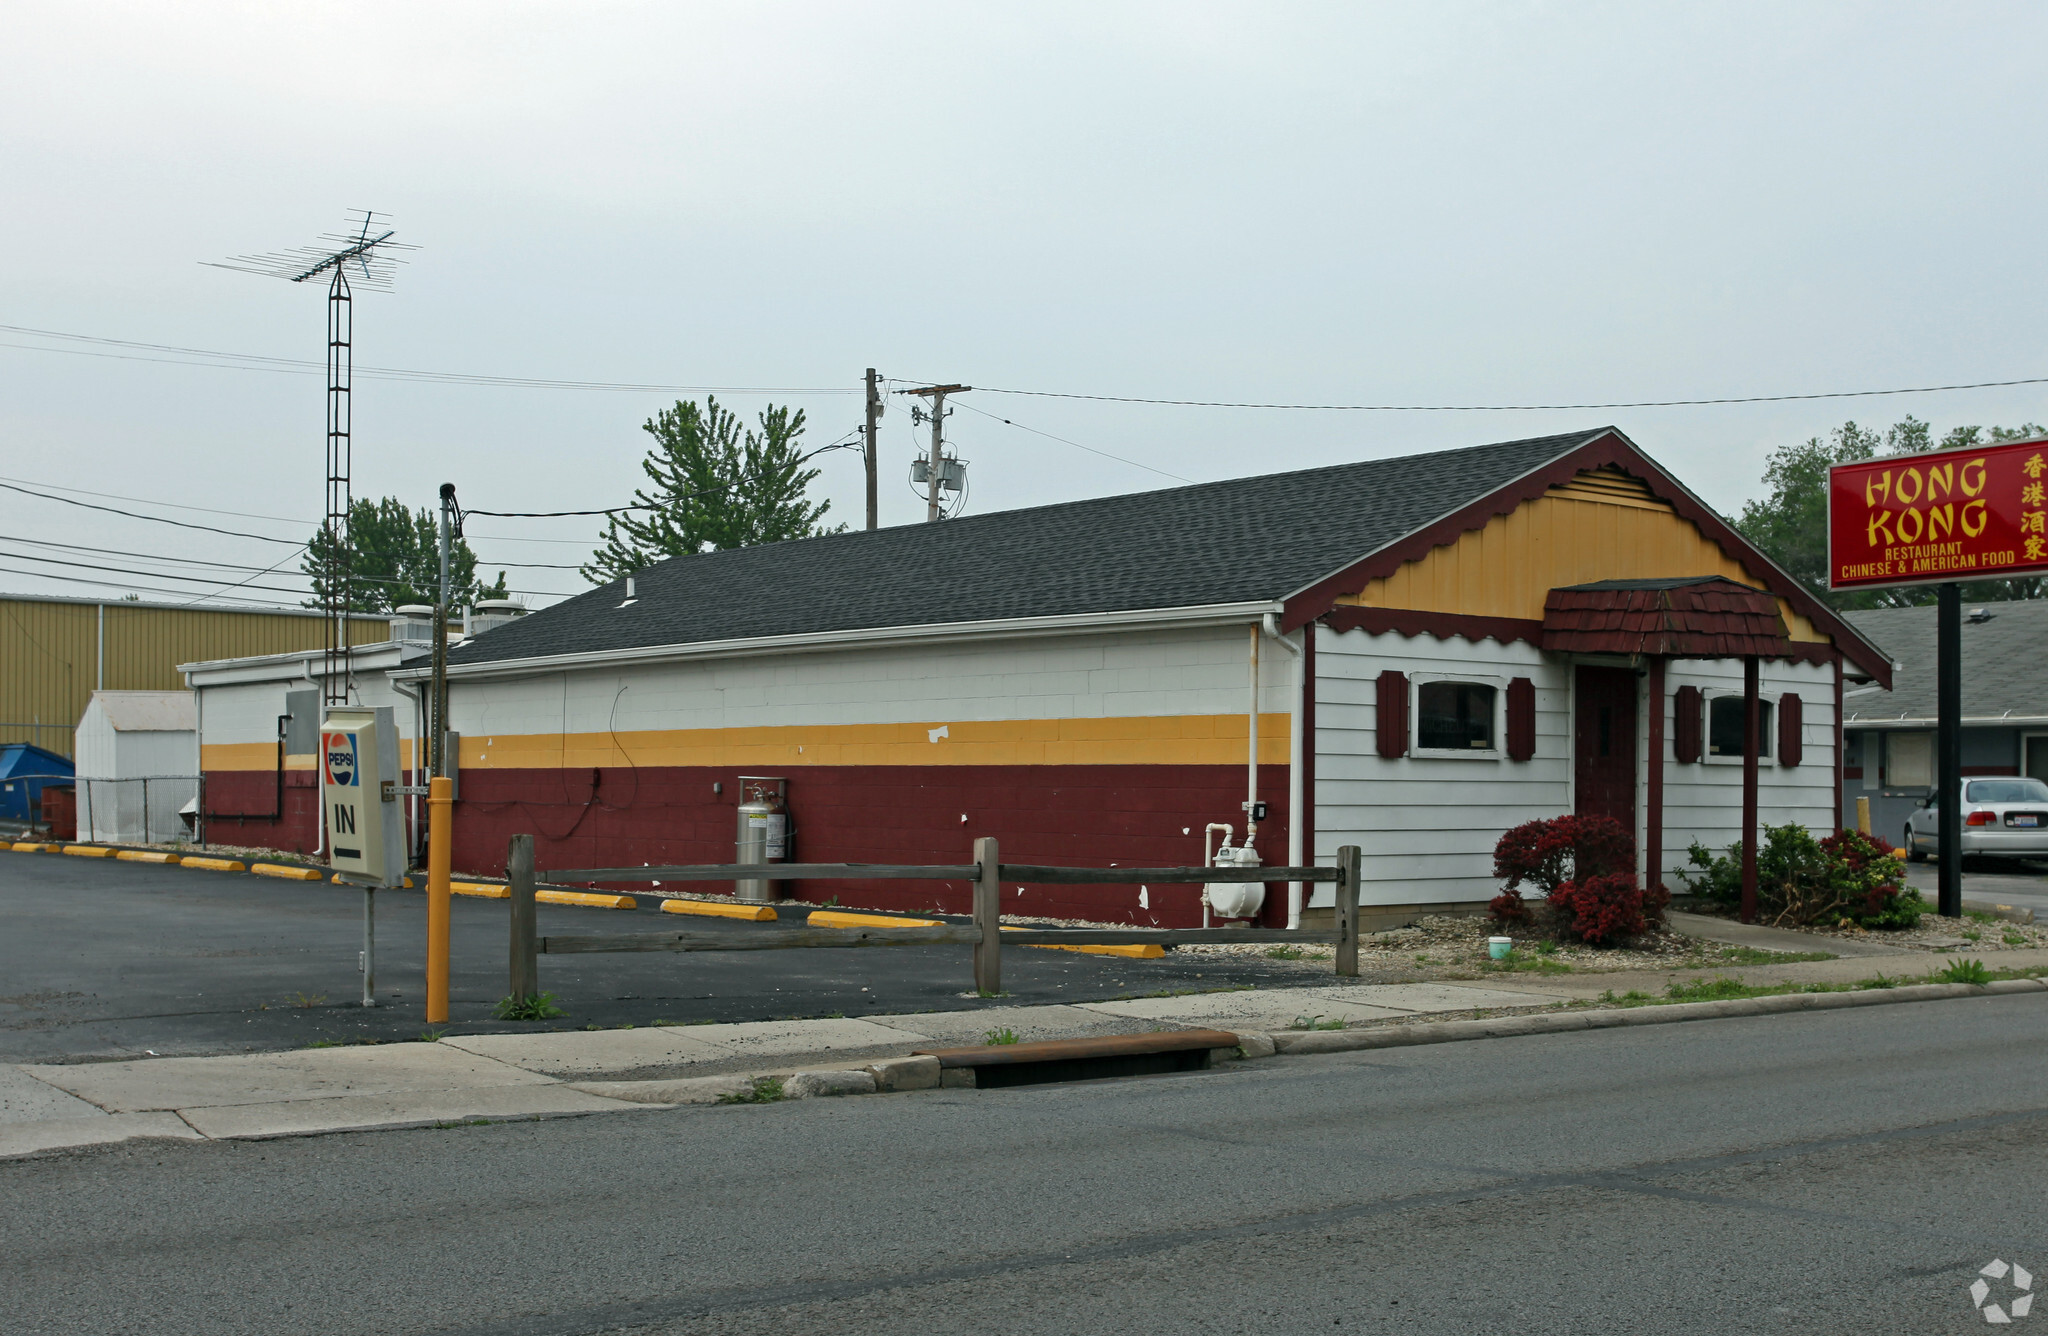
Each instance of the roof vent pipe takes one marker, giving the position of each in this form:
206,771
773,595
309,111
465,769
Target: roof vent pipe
632,596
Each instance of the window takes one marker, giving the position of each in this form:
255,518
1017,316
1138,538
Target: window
2005,791
1724,726
1909,761
1454,716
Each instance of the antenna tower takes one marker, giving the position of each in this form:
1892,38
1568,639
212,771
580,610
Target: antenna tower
365,248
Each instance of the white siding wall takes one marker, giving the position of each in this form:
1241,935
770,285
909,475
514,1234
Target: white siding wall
1427,826
131,783
246,712
1703,801
1189,671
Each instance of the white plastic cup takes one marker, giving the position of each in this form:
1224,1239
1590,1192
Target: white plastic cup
1498,947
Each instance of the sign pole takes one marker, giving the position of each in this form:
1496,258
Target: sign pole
1948,746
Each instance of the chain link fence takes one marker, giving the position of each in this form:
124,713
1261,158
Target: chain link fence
146,809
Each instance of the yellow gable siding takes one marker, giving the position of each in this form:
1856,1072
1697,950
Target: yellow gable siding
1602,525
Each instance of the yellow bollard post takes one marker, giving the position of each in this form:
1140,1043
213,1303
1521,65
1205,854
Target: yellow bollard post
1863,816
440,860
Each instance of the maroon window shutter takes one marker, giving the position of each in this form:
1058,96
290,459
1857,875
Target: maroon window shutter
1393,714
1521,719
1685,724
1791,729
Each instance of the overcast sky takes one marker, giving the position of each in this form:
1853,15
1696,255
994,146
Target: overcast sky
1431,203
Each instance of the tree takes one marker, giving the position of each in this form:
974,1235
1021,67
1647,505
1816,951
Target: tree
716,487
1790,525
395,559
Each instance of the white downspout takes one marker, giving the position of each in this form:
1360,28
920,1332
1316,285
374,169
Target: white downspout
1296,855
1251,778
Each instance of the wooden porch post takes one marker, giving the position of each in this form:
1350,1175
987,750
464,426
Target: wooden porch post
1653,821
1752,738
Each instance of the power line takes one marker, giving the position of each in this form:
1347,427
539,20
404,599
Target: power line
302,367
1517,408
159,519
1076,444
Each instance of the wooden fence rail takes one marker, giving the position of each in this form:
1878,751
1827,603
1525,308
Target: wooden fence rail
985,934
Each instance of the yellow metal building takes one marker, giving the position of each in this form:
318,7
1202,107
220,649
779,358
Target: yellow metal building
55,652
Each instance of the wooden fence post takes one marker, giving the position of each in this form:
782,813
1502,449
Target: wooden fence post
988,916
1347,911
525,964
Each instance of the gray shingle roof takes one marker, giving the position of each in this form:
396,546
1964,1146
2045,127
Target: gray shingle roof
1236,541
2005,662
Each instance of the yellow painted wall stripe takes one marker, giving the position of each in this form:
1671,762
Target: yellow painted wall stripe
1178,739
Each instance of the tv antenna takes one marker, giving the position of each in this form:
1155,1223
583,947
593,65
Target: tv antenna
363,250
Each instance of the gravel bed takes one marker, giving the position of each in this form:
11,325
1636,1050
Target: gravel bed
1933,934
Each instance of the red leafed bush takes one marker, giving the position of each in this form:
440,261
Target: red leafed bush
1597,910
1508,907
1549,853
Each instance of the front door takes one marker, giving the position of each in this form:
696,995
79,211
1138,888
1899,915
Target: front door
1604,744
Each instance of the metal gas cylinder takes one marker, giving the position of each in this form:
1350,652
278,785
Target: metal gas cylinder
763,835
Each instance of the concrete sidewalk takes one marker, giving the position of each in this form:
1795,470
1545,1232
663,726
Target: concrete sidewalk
49,1106
506,1076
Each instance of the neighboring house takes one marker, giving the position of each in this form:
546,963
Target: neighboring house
1411,655
55,652
137,755
259,723
1888,756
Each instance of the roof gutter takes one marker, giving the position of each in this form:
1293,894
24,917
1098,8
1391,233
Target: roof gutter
1917,722
1008,628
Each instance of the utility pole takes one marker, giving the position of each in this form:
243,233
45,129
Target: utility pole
935,467
438,746
869,447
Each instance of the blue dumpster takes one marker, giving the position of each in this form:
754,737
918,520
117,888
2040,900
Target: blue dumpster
24,769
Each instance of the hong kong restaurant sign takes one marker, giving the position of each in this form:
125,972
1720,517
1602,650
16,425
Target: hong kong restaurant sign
1956,515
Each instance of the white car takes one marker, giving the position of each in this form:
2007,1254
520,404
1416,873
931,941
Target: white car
2000,816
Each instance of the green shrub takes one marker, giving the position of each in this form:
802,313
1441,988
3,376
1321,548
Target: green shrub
1847,877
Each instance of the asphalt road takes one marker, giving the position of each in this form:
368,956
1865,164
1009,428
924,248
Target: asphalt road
107,959
1842,1171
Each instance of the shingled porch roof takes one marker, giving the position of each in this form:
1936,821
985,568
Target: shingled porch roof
1698,617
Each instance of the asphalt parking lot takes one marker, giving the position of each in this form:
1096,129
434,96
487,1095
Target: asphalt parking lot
2024,885
106,959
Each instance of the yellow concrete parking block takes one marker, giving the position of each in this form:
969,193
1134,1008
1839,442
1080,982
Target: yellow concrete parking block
145,856
214,864
1132,951
839,918
481,889
586,899
722,909
283,873
30,847
88,851
339,882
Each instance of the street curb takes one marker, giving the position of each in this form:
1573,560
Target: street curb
1446,1032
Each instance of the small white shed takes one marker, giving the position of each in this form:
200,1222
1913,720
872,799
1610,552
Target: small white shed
137,765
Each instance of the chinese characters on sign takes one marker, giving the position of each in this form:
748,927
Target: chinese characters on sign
1956,515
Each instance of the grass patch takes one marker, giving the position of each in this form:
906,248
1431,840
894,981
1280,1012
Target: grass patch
541,1007
2011,938
462,1122
1003,1036
1519,964
1750,955
1979,916
306,1002
431,1036
325,1043
1284,953
1316,1023
764,1090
